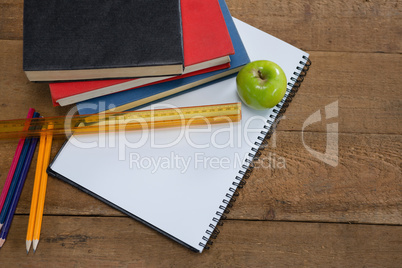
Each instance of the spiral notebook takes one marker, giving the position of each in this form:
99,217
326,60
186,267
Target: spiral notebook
178,181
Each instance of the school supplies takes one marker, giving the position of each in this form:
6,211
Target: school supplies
181,183
135,120
14,162
42,190
14,194
35,191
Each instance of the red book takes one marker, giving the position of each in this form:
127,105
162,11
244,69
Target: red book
206,43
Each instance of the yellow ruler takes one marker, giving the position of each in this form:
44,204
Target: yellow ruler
120,121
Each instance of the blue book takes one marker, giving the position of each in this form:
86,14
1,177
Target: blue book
134,98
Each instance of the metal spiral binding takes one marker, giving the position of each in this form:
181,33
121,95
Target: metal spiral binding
261,144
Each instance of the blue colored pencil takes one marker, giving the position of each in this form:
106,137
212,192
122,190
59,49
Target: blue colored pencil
15,178
14,182
20,185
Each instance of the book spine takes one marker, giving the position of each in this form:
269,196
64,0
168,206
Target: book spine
261,144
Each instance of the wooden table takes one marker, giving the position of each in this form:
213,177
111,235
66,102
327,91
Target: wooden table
307,214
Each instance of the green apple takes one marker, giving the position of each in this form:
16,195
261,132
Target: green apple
261,84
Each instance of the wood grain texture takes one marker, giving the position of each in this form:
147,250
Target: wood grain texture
11,19
366,86
369,26
83,241
289,183
363,26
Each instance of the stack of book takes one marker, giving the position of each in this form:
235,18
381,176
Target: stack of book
124,54
120,55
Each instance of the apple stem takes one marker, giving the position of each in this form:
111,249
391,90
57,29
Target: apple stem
260,75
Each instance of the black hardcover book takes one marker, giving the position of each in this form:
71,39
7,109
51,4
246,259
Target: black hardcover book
82,40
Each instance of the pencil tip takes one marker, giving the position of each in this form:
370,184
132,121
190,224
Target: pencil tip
2,242
28,245
35,244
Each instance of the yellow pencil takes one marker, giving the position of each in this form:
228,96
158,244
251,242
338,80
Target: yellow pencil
35,192
42,191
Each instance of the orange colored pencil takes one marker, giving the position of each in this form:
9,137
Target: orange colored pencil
42,191
35,192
